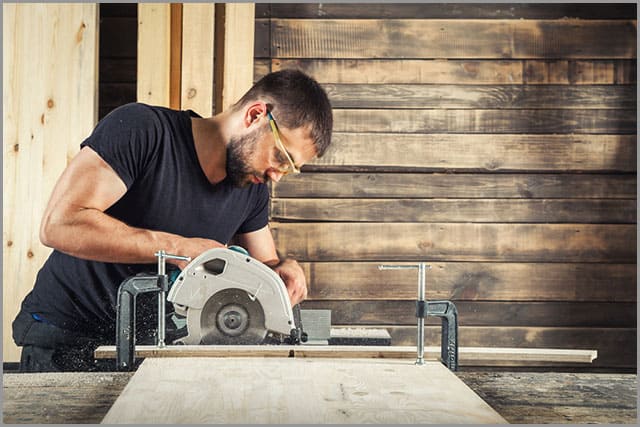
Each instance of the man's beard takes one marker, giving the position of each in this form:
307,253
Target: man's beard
239,151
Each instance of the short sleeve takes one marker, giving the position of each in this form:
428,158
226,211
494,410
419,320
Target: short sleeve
259,216
127,139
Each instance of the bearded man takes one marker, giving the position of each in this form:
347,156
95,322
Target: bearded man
151,178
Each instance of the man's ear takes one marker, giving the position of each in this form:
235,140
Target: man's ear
253,112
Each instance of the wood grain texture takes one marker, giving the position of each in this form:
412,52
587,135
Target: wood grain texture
447,11
458,96
486,121
455,210
457,242
463,72
154,54
49,107
484,313
455,39
486,152
458,185
247,390
474,281
197,58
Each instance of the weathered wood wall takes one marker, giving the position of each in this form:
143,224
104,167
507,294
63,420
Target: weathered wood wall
50,103
497,142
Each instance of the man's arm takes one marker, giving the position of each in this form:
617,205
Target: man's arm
74,221
261,246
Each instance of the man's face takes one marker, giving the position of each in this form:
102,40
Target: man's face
240,151
255,157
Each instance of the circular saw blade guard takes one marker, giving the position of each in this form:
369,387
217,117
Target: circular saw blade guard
231,298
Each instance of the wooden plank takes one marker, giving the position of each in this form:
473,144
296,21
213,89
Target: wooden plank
458,185
154,53
557,397
248,391
473,281
483,152
261,67
234,52
408,96
175,55
456,242
486,121
455,210
472,72
484,313
455,39
467,355
197,58
446,11
616,347
50,105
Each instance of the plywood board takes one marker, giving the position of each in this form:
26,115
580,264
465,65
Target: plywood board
299,391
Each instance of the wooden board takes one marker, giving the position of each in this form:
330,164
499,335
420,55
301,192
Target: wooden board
408,96
197,58
474,281
455,210
369,184
447,10
486,121
467,356
154,54
247,391
482,152
50,73
468,39
459,71
457,242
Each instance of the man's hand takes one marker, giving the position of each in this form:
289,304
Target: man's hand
293,276
192,247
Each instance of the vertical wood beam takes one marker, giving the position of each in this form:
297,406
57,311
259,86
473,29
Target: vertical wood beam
154,53
198,57
50,93
235,28
175,56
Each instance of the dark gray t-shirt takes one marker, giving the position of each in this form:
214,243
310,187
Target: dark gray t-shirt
153,152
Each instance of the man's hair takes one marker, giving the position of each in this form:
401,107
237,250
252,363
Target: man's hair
296,100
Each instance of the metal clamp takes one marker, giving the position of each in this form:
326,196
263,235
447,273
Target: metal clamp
126,309
446,310
162,296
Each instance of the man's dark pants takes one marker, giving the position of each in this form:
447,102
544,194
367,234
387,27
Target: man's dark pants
48,348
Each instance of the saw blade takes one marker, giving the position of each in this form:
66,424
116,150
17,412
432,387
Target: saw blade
232,317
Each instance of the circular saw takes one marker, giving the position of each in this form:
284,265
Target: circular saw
228,297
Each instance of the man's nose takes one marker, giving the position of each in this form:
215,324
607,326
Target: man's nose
274,175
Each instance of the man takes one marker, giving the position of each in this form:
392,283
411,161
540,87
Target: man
149,179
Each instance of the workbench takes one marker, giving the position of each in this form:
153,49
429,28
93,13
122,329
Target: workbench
519,397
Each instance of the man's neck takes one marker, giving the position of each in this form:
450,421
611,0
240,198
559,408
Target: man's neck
209,136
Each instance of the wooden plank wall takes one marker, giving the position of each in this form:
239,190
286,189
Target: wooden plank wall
497,142
50,89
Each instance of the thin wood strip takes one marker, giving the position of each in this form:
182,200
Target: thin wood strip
456,242
442,38
369,184
175,56
467,355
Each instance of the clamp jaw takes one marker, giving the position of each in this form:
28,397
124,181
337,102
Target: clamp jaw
446,310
